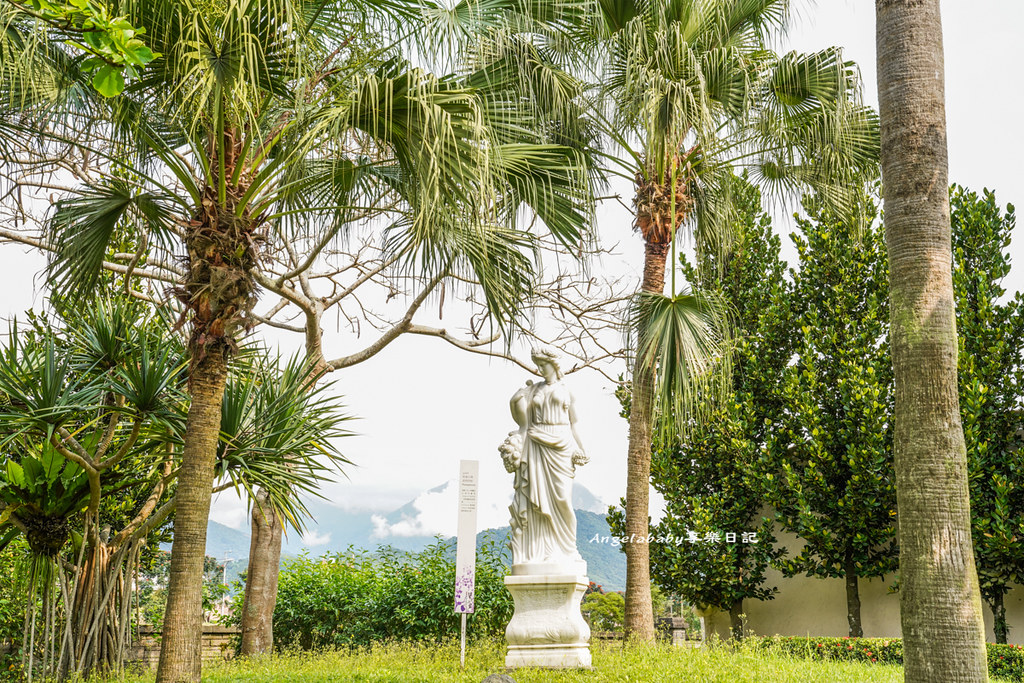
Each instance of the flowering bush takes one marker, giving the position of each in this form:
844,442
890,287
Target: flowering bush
1006,661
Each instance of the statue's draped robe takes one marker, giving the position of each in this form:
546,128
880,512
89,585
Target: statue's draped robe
543,521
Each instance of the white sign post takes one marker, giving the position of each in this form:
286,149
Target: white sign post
465,552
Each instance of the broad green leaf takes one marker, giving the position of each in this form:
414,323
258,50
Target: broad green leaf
108,81
52,462
15,474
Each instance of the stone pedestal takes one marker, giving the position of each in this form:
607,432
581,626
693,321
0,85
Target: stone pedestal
547,628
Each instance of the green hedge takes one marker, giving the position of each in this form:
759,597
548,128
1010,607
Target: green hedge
12,608
1006,661
357,598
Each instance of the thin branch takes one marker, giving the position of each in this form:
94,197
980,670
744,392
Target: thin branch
76,454
123,451
391,334
368,275
108,435
477,346
147,508
107,265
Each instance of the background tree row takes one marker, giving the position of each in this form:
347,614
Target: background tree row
803,441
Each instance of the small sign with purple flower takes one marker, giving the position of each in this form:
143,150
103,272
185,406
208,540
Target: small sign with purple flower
465,553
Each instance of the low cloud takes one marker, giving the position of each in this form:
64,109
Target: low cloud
430,513
313,538
434,512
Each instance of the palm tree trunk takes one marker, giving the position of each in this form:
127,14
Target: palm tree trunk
181,644
943,631
265,546
639,622
261,578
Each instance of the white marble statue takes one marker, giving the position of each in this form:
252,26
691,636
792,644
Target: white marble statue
548,576
544,453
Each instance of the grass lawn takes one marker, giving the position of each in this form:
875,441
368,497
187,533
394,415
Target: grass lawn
422,664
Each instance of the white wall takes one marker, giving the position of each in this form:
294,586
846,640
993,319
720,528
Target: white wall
809,606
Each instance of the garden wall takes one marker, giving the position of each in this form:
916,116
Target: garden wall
218,643
808,606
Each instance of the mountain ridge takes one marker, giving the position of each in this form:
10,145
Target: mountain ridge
333,529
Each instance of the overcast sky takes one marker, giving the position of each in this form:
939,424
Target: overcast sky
424,405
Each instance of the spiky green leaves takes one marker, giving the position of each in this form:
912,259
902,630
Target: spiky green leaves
59,378
278,430
91,400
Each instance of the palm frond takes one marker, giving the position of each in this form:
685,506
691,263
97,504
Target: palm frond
82,227
684,341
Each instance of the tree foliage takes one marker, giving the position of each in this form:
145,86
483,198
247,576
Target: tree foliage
604,611
809,424
990,326
92,423
358,598
831,446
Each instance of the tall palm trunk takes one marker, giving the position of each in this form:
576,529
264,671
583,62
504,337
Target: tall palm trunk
261,578
639,619
943,632
181,646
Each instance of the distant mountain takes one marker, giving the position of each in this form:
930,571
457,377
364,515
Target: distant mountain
224,542
583,499
333,529
606,565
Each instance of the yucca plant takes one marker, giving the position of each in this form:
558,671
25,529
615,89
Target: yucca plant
278,428
82,415
91,435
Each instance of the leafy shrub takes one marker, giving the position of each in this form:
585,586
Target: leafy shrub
12,608
606,611
357,598
1006,661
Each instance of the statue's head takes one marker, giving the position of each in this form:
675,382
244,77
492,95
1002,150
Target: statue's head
543,355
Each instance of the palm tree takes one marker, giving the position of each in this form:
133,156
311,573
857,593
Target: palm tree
271,120
940,603
690,93
280,416
693,94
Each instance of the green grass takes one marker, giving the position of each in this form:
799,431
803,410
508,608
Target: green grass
440,664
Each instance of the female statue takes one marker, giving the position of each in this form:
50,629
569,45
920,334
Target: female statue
544,454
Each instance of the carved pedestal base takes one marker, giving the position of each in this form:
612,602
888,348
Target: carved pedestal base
547,629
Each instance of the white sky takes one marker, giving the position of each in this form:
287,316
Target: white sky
425,405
